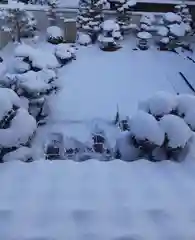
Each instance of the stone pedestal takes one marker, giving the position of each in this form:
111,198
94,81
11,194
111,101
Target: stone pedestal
70,30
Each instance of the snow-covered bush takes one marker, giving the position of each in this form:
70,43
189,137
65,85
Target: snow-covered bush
147,22
17,127
24,154
172,30
160,104
36,58
110,33
146,133
21,66
35,84
186,102
124,149
124,15
84,39
65,53
176,116
16,20
90,18
177,135
55,35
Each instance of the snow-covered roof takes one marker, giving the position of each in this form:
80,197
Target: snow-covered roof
145,127
177,131
172,17
144,35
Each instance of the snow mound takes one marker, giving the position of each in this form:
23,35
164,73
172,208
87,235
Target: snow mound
36,82
83,39
144,35
110,25
172,17
145,127
21,66
165,40
22,128
147,19
42,59
23,154
124,147
186,102
24,50
54,32
162,103
8,99
63,51
176,130
177,30
39,58
189,118
3,69
163,31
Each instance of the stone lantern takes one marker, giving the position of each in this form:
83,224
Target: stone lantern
143,38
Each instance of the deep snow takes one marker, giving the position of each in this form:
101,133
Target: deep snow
91,201
94,200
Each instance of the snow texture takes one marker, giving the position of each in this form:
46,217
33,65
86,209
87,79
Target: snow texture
110,25
177,30
123,144
163,31
22,154
145,127
161,103
54,32
22,128
186,102
83,39
3,69
189,118
165,40
63,51
144,35
36,82
172,17
21,66
40,59
8,99
177,131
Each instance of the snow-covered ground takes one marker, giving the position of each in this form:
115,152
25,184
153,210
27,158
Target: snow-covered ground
93,200
92,86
